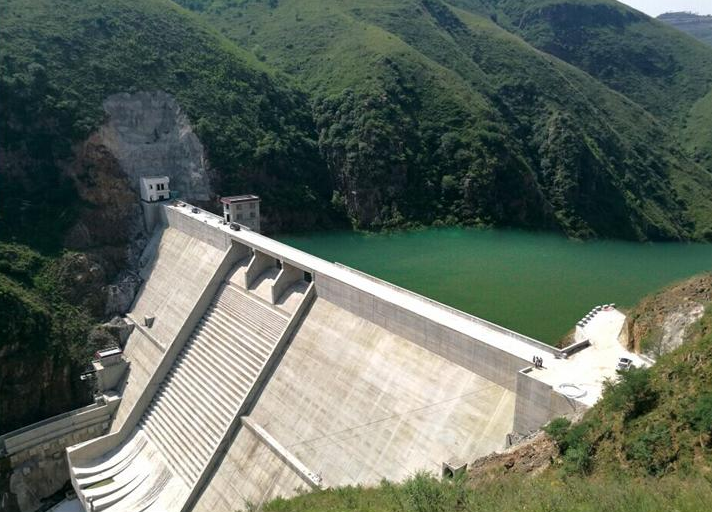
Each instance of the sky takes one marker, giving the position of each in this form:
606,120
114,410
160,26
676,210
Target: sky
656,7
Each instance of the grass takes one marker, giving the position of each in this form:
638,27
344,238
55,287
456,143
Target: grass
547,493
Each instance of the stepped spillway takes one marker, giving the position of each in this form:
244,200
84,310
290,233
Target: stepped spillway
193,408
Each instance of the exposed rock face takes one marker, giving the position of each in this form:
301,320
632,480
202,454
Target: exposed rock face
660,323
121,293
149,134
146,133
529,458
114,332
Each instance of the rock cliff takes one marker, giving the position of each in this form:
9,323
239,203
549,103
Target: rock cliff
660,323
149,134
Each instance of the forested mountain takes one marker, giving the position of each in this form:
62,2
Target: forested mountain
547,114
694,24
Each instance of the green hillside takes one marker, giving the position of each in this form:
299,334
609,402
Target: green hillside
60,60
646,446
432,111
694,24
655,65
662,69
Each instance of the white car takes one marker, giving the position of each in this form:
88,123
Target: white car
624,364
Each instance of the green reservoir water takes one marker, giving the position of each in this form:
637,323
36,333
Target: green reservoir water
537,284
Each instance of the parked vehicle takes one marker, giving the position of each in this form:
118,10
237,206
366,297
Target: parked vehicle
624,364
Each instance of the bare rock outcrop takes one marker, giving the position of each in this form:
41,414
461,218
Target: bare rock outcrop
660,323
150,134
528,458
145,133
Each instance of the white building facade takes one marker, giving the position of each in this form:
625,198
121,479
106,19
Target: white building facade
155,188
244,210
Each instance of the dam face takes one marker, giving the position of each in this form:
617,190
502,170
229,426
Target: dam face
257,370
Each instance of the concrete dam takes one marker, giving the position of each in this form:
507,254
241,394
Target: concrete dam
256,370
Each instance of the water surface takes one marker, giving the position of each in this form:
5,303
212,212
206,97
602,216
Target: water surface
536,283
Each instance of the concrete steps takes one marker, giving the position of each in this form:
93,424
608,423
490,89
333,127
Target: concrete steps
210,379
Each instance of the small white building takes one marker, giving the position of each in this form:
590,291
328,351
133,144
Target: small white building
244,210
155,188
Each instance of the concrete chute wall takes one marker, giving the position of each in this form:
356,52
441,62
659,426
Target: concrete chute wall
178,268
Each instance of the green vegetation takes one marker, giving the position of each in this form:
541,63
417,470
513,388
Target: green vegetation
40,328
422,493
696,25
417,112
33,309
646,446
59,61
438,112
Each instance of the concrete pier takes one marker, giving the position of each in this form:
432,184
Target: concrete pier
266,369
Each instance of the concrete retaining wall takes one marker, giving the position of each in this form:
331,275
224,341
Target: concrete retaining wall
485,360
537,403
35,453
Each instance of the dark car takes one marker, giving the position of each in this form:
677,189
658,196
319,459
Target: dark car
234,226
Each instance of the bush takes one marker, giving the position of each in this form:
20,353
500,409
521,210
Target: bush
652,450
578,460
424,493
557,430
633,395
700,417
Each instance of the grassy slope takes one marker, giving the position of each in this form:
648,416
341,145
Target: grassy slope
666,71
583,148
44,337
655,65
647,446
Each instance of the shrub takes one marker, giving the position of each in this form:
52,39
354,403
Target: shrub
652,450
633,395
557,430
424,493
700,417
578,460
